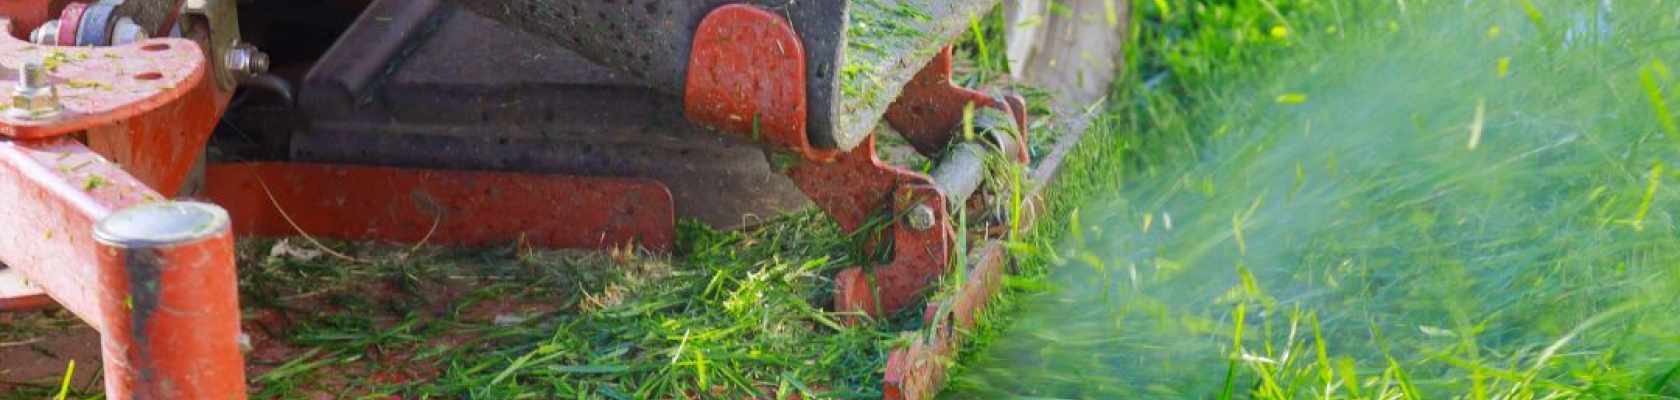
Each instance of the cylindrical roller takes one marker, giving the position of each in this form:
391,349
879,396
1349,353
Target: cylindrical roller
95,28
173,312
963,167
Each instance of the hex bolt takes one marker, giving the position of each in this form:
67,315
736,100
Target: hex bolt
920,217
244,60
34,97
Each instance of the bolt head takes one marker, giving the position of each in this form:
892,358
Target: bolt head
920,217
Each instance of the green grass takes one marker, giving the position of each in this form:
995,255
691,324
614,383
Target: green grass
736,314
1419,199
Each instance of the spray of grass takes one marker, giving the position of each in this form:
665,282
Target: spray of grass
1402,260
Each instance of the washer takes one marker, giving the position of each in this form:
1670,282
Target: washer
96,25
70,21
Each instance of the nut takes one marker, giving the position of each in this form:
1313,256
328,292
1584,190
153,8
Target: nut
34,97
920,217
245,60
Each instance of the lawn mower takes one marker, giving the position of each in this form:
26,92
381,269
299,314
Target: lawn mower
143,136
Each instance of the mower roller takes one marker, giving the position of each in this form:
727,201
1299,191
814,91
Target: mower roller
555,123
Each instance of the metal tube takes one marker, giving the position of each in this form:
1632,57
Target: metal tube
961,172
175,334
963,166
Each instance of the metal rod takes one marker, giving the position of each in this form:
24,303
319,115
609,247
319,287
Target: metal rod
963,166
175,334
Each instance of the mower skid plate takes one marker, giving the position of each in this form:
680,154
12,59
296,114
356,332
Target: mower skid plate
443,207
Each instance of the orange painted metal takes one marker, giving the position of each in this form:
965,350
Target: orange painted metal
16,293
100,86
929,111
443,207
171,312
54,191
746,75
26,15
161,146
918,371
856,187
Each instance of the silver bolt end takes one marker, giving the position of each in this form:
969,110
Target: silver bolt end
920,217
245,60
33,75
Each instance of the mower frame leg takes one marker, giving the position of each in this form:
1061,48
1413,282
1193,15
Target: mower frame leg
166,306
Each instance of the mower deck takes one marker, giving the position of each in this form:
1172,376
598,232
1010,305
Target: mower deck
395,148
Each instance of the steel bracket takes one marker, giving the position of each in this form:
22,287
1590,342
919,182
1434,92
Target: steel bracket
857,184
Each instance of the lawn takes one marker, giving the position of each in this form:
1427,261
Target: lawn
1282,199
1370,199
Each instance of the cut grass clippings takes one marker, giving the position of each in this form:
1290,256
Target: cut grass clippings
1419,199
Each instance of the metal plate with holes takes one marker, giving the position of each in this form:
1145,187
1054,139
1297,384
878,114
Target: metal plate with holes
100,86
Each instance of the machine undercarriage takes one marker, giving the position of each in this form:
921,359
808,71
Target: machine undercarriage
559,123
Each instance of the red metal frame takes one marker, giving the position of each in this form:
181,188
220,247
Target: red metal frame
146,111
858,186
172,333
172,344
929,111
746,75
443,207
101,86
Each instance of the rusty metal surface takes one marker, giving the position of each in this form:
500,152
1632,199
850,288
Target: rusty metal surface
855,187
442,207
929,112
465,92
919,370
746,76
100,86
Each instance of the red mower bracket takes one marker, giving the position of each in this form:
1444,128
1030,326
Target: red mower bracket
747,76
